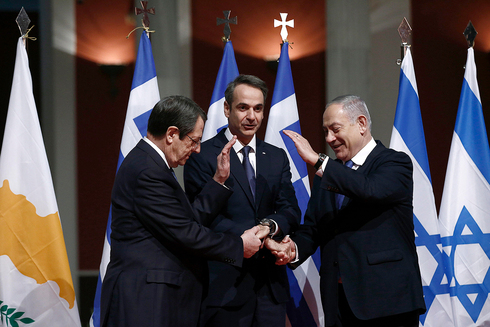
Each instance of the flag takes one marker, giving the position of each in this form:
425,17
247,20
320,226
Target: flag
142,98
304,308
36,286
465,209
408,136
227,72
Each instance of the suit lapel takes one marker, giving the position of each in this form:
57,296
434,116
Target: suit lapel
142,144
366,167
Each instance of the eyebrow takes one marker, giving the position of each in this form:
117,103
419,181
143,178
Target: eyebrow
246,104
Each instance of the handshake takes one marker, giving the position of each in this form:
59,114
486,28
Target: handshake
284,251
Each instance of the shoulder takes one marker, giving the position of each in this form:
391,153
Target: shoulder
383,153
264,146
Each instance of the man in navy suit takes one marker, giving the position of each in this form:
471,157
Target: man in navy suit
256,293
157,268
360,214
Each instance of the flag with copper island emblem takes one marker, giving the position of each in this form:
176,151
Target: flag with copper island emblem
36,287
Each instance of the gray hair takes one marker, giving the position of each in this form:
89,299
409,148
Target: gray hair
353,106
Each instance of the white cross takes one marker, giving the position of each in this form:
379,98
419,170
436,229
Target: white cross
283,23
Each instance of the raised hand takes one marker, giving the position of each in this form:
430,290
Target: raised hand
304,148
251,243
284,251
223,163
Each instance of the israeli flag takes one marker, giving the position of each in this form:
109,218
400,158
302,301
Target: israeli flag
305,308
408,136
143,97
227,72
465,209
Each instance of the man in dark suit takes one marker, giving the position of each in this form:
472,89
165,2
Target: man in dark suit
159,243
256,293
360,214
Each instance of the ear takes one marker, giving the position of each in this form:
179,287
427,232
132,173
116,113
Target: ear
172,133
363,126
227,109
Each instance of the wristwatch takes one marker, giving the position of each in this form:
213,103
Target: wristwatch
270,223
321,159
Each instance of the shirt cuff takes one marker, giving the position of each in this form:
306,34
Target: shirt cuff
320,171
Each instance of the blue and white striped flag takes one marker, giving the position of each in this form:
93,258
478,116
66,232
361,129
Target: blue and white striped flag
227,72
465,209
408,136
305,307
143,97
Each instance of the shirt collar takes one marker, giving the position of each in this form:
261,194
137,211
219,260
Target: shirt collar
362,155
238,146
157,149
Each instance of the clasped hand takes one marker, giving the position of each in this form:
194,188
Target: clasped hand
284,251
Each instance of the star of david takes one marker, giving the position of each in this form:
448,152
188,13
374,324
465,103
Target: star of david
438,284
466,293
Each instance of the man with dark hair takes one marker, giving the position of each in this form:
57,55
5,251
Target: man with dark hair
360,214
159,244
256,293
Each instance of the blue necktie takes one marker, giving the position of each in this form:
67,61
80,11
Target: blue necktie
172,171
339,198
249,170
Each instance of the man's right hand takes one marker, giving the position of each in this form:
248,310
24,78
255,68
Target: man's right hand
303,146
284,251
223,163
251,243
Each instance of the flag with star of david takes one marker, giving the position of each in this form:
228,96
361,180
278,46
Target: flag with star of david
465,209
408,136
142,98
304,309
227,72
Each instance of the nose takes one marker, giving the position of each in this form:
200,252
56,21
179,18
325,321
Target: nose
251,114
197,149
329,138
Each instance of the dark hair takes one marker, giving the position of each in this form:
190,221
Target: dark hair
353,106
175,110
250,80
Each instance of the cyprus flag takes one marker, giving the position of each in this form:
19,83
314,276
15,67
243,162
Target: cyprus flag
36,287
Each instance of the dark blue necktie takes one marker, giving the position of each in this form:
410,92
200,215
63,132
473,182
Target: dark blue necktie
249,170
173,173
339,198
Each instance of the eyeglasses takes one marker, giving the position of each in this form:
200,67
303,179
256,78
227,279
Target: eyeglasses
196,143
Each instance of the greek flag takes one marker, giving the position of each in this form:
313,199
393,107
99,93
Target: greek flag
143,97
227,72
465,209
408,136
304,308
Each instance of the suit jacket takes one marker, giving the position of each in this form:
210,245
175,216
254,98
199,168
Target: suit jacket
158,245
369,242
274,199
